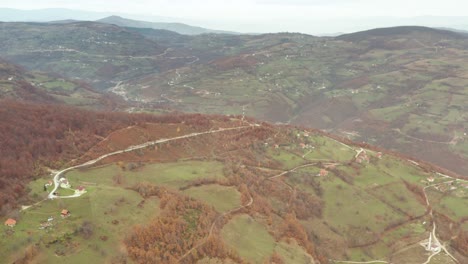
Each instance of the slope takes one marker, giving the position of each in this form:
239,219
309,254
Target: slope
20,84
291,194
372,86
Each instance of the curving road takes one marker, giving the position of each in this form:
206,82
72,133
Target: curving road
59,174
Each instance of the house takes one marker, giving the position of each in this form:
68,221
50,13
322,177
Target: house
80,190
10,222
306,134
45,225
276,146
65,213
64,183
379,155
50,183
323,173
303,146
430,179
362,156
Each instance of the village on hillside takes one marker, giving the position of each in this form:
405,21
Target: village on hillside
49,222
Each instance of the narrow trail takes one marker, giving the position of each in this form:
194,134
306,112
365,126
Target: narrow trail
247,205
433,234
450,142
358,262
213,226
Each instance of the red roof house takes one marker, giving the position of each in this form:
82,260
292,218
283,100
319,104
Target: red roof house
10,222
65,213
323,173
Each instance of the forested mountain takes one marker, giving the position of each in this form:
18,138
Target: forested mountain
36,136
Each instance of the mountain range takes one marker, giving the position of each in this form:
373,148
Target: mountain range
68,15
310,25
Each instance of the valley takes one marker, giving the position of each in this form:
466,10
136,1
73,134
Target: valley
368,86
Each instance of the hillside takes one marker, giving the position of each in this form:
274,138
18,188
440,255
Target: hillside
175,27
214,189
371,86
401,31
16,83
35,137
94,52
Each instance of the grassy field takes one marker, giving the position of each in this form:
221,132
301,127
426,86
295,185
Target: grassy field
220,197
167,174
109,213
292,253
108,207
250,238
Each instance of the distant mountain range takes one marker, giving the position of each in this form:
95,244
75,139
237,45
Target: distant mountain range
58,15
176,27
310,25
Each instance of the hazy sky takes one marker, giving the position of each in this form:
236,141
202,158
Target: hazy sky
262,15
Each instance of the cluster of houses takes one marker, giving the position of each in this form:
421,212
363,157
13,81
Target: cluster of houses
306,146
64,183
446,186
10,222
362,156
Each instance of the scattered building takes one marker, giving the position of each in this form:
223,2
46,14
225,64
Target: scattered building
10,222
80,190
49,183
323,173
65,213
430,179
64,183
379,155
276,146
45,225
362,156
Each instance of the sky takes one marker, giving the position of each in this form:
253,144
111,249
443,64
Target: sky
308,16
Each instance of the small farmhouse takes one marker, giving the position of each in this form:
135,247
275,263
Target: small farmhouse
80,190
64,183
10,222
323,173
65,213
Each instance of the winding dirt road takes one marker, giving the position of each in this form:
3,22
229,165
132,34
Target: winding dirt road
59,174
